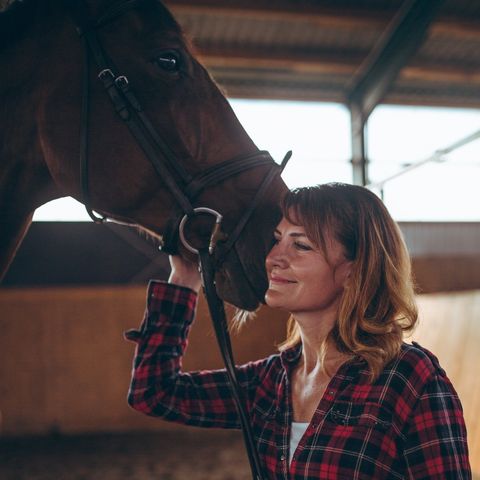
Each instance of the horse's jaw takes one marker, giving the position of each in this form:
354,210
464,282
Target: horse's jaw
242,279
235,286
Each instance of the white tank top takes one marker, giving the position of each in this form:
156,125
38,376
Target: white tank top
296,433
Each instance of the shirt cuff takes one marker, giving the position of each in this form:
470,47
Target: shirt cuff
166,303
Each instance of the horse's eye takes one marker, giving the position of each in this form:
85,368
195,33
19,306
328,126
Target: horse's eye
167,61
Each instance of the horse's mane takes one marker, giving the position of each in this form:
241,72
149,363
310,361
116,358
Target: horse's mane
15,18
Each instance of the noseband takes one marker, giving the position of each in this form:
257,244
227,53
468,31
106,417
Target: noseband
183,187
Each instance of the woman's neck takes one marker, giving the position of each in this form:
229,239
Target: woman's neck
314,332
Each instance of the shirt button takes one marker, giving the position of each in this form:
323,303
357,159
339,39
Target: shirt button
282,458
331,392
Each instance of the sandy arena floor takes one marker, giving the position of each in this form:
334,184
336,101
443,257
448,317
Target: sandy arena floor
190,454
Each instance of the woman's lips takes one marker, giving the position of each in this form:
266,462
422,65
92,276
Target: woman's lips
280,280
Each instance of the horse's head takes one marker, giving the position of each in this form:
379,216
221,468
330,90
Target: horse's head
198,129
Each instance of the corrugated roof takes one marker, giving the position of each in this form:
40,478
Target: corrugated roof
311,49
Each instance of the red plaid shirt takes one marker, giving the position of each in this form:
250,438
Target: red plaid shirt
408,424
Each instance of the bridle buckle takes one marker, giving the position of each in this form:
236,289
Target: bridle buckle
106,72
121,81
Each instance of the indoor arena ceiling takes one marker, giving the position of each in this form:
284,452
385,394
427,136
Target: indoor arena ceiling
316,49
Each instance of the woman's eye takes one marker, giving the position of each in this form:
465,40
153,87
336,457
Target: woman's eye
168,61
302,246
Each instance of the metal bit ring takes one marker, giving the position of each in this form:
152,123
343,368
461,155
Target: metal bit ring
213,237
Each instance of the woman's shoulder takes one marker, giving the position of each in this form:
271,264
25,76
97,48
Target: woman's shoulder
417,354
413,369
412,373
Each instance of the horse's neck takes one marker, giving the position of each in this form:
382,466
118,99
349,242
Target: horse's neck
23,63
25,181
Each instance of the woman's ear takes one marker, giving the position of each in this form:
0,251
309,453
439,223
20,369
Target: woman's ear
343,272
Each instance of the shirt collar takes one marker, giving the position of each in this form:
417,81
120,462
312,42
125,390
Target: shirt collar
291,355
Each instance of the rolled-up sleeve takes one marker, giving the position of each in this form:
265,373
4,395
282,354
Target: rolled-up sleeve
158,386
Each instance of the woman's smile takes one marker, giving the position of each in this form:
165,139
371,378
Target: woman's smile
279,280
300,277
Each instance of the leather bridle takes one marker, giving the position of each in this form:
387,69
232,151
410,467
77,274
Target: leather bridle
183,187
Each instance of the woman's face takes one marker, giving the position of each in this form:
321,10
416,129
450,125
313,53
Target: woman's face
300,277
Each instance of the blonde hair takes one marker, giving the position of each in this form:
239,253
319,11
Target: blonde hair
378,305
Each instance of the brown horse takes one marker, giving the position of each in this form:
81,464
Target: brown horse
42,62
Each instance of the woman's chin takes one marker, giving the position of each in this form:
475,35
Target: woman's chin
274,299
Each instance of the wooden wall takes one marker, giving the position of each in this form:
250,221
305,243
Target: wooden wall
64,365
451,273
449,326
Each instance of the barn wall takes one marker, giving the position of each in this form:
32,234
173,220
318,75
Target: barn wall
453,273
64,365
450,327
445,255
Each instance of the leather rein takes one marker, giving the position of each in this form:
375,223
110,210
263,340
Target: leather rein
183,187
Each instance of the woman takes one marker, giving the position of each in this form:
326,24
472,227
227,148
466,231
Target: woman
345,398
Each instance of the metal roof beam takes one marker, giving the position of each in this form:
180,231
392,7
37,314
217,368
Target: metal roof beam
400,41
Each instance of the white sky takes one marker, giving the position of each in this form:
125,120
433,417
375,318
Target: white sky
319,135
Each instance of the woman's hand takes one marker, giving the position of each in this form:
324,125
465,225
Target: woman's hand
184,273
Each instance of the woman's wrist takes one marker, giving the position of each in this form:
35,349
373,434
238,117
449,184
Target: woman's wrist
188,282
184,273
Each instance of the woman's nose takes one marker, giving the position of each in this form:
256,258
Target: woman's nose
277,256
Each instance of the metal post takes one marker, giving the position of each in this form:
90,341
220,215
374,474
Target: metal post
401,39
359,145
